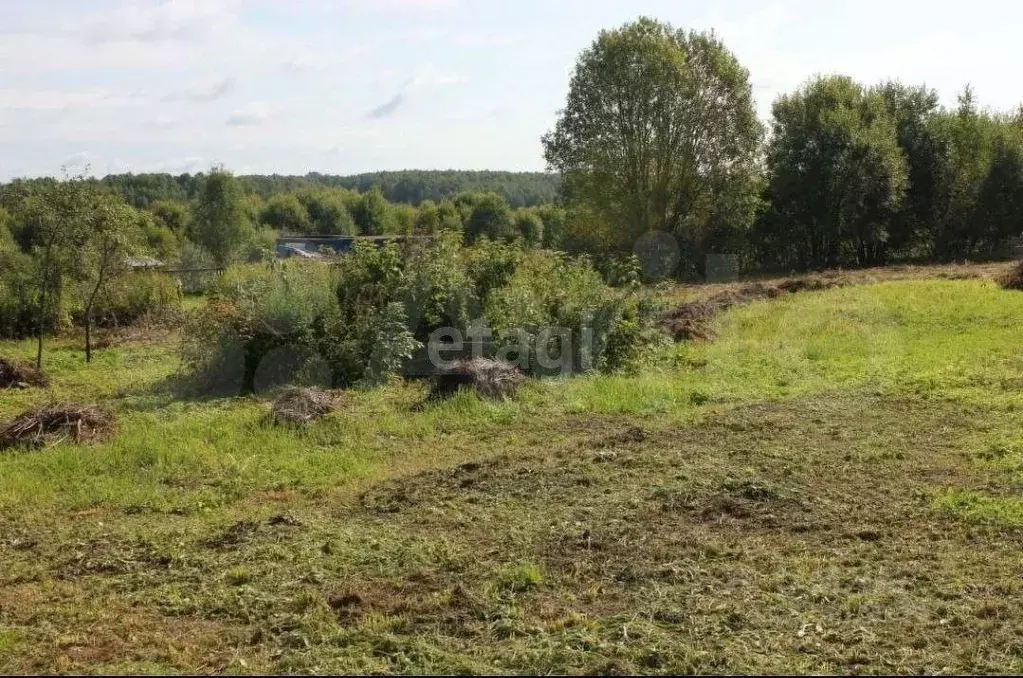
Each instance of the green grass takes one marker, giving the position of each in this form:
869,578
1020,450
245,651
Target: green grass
830,486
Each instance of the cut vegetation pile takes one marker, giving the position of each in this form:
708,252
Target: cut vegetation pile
297,405
691,321
1013,280
52,424
489,378
15,374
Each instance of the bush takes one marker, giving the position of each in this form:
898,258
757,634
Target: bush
261,246
136,295
556,315
361,321
262,327
1013,280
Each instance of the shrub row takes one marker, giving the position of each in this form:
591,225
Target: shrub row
363,319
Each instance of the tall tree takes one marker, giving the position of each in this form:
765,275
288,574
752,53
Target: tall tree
999,211
836,175
659,132
964,141
912,108
221,223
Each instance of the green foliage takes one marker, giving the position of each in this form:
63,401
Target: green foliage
530,226
593,327
135,295
195,264
285,212
221,223
393,345
553,218
7,241
491,218
328,211
114,235
659,132
372,214
998,215
260,246
19,296
836,176
171,214
261,320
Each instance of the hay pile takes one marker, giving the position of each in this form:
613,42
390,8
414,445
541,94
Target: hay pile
691,321
298,405
51,424
15,374
1013,280
489,378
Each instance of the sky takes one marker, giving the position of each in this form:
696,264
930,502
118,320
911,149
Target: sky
348,86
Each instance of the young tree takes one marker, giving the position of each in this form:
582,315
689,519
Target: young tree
221,223
659,133
58,217
113,235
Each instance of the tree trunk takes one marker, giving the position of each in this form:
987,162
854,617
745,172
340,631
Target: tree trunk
88,336
41,327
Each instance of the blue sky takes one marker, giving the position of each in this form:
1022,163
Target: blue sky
345,86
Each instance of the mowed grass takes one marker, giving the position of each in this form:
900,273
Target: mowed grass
833,485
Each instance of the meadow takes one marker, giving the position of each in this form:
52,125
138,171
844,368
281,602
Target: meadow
832,484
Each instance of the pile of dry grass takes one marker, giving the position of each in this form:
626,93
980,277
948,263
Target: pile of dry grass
691,321
1013,280
299,405
16,374
489,378
51,424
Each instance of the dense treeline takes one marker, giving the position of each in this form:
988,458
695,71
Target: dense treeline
659,133
519,189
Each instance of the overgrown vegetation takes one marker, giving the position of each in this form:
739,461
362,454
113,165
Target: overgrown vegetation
362,320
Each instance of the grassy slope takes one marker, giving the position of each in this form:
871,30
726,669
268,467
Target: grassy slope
831,486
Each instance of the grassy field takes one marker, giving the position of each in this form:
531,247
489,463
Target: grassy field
833,485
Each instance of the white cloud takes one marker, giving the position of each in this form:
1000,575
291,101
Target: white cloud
171,20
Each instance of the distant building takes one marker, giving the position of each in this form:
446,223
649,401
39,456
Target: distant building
314,246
